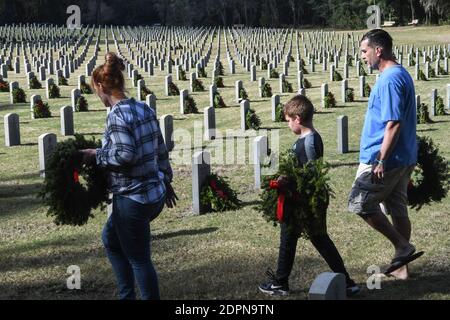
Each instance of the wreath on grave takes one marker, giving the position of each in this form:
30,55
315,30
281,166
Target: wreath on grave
217,196
4,86
19,95
243,94
291,59
173,89
349,95
306,83
337,76
442,71
287,86
71,190
220,68
81,105
263,64
303,69
252,120
145,92
137,78
202,73
432,73
367,90
362,72
430,179
274,74
190,105
34,83
412,62
62,81
41,110
218,82
279,114
423,116
85,88
197,85
349,60
440,110
303,204
330,101
182,75
10,68
266,90
53,91
422,76
218,101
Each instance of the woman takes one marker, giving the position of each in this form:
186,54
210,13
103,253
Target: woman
137,162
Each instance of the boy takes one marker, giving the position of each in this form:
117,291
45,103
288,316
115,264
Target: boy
298,113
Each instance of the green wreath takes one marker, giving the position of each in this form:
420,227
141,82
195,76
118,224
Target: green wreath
220,69
197,85
182,75
85,88
252,121
41,110
202,73
4,86
349,95
217,196
430,179
287,86
306,198
62,81
337,76
145,92
440,109
367,90
70,190
330,101
274,74
190,105
423,116
34,83
279,115
218,82
243,94
218,101
173,89
306,83
81,105
19,95
54,92
266,90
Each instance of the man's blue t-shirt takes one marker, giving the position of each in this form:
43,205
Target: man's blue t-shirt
392,98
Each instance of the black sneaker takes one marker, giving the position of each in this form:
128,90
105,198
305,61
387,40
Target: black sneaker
273,287
352,288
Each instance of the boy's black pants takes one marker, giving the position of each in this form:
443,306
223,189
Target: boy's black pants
323,244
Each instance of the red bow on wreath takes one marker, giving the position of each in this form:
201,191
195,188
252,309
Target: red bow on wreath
273,184
76,177
219,192
410,185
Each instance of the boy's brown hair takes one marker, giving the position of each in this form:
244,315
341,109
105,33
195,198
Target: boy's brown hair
299,106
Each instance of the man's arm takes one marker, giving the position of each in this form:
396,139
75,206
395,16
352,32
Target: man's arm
390,139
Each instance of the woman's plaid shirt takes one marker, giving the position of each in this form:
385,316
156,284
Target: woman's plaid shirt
134,152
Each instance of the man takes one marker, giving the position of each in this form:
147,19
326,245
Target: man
388,151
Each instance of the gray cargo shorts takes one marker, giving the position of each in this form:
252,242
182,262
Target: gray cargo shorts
388,196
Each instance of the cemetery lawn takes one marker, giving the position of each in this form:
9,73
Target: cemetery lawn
215,255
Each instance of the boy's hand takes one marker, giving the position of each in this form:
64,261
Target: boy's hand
283,183
88,156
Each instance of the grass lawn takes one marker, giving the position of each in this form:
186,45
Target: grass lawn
219,255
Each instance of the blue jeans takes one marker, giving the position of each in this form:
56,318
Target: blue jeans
126,237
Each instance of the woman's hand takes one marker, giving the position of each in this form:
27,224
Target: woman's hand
170,196
88,156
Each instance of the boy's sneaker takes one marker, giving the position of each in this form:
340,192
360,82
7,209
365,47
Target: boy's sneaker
352,288
273,287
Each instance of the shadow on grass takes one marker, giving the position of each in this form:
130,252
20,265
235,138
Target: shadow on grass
344,164
178,233
426,130
16,199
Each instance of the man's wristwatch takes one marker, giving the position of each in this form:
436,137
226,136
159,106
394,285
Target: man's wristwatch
379,162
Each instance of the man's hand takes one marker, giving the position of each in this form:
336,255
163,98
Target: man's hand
88,156
377,172
170,196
